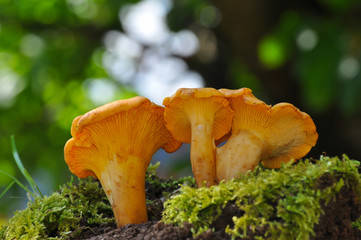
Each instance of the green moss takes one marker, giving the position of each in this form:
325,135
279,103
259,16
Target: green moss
80,206
286,202
357,224
159,189
165,187
62,214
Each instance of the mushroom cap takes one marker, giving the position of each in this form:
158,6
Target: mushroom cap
125,127
291,136
287,132
197,103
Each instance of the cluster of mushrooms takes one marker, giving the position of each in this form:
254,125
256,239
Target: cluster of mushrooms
115,142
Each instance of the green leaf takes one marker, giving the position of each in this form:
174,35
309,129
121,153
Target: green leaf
22,168
19,183
6,189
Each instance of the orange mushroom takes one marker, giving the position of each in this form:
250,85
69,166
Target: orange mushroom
199,116
261,133
114,143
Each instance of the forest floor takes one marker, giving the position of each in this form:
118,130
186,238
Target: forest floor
334,223
312,199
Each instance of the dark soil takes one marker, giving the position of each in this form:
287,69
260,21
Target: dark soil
335,223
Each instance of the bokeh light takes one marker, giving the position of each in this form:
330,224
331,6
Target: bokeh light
11,85
100,91
307,39
31,45
349,68
146,21
147,56
210,16
271,52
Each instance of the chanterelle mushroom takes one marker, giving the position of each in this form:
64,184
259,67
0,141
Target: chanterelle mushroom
261,133
114,143
199,116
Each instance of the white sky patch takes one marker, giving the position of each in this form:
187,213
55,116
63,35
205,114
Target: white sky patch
156,90
189,80
161,80
120,68
163,67
121,57
184,43
121,44
145,56
146,21
100,91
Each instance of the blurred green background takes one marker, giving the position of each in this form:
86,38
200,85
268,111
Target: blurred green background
61,58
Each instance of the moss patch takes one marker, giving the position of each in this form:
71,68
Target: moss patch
272,204
62,214
78,207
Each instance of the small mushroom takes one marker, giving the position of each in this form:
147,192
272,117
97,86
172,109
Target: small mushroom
261,133
199,116
114,143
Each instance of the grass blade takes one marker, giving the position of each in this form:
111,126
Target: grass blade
19,183
22,168
6,189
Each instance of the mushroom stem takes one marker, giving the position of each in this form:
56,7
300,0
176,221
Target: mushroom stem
203,153
245,147
124,185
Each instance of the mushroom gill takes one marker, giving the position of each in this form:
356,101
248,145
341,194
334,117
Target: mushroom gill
114,143
261,133
199,116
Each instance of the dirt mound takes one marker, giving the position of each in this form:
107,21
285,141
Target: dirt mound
333,224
